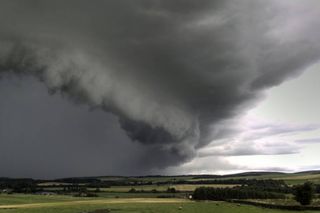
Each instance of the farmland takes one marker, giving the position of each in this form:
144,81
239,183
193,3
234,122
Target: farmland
146,194
162,188
127,205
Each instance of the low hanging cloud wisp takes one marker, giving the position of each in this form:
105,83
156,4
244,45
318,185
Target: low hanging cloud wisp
171,71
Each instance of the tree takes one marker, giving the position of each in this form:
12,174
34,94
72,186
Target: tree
304,193
132,190
171,190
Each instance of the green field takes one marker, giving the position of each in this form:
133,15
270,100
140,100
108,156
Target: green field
289,178
162,188
26,199
288,201
151,195
65,204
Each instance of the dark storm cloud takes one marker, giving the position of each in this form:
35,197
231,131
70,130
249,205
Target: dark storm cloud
172,72
46,136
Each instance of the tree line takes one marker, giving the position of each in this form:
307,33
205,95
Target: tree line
302,193
211,193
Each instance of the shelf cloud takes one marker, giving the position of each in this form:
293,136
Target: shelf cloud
173,73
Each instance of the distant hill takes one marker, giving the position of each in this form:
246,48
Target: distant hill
290,178
237,175
309,172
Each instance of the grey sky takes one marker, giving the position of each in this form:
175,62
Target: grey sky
166,82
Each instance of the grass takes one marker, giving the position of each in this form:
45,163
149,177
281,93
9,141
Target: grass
285,202
162,188
67,204
117,200
155,179
300,178
140,195
291,179
25,199
131,206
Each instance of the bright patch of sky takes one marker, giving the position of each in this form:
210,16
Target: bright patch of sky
294,102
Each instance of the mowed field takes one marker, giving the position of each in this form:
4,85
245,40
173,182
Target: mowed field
300,178
289,178
163,188
65,204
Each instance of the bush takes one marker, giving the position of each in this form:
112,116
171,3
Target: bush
132,190
171,190
304,193
154,191
85,194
